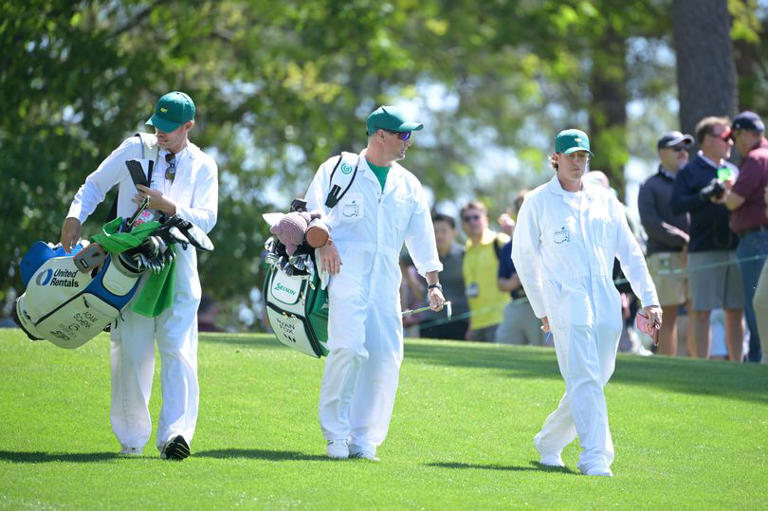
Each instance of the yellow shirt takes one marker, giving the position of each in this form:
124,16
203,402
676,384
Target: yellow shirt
480,269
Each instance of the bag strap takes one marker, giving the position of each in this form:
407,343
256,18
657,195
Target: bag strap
335,194
150,150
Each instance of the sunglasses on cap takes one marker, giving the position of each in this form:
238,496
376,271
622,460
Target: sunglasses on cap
470,218
402,135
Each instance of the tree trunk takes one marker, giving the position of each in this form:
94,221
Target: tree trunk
706,74
608,110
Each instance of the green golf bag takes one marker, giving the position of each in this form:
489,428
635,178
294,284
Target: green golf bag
297,309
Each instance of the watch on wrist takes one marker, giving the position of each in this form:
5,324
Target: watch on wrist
435,286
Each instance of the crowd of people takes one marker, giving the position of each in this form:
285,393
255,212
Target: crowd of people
704,230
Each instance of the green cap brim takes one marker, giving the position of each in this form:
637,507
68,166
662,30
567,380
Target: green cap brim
575,149
162,124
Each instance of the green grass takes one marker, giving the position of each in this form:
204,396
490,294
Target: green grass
688,434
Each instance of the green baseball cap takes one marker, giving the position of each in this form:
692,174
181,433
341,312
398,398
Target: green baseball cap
570,141
390,118
172,110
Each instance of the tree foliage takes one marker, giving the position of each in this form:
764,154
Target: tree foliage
282,85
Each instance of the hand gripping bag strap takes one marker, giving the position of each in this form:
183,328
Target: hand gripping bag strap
150,151
344,181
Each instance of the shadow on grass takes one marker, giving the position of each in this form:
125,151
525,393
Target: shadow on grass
261,454
746,382
534,466
48,457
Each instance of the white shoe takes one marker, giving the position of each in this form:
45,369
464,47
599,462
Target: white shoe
596,471
548,460
337,449
363,454
130,451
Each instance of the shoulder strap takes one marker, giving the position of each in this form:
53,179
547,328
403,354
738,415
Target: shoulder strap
149,151
346,177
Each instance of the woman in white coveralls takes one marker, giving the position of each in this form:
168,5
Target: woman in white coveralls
383,207
567,236
184,183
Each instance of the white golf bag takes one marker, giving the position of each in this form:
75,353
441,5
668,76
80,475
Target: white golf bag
70,298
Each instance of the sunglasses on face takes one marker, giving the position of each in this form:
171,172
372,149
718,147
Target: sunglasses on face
678,148
402,135
725,135
470,218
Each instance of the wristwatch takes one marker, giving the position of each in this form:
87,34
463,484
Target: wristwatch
435,286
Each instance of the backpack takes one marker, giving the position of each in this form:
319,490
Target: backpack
296,304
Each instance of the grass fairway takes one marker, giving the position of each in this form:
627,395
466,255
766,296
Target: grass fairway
688,434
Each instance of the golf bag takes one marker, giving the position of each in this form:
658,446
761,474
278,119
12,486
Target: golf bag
297,305
70,298
297,308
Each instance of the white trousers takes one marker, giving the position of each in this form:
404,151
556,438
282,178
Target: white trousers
365,341
132,362
586,356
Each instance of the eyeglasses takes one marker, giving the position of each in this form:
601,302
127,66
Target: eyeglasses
470,218
170,171
678,148
402,135
725,135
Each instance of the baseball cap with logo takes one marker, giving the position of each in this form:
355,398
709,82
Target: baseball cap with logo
673,138
172,110
570,141
748,121
390,118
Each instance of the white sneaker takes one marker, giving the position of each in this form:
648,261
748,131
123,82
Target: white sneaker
548,460
363,454
130,451
337,449
596,471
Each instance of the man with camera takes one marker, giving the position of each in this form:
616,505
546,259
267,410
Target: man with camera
714,276
745,199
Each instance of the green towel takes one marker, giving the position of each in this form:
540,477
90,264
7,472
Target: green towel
157,293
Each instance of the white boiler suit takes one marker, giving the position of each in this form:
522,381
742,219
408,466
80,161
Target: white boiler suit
564,249
365,334
195,192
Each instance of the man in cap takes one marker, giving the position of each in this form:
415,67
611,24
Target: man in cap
714,276
667,234
183,182
383,206
567,235
746,201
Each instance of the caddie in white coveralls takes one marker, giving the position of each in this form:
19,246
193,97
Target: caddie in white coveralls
184,182
567,235
384,207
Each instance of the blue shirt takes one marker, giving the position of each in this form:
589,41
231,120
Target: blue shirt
507,270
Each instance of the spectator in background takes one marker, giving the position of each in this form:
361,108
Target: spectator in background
519,325
434,325
745,199
413,293
206,315
714,276
760,300
480,268
667,235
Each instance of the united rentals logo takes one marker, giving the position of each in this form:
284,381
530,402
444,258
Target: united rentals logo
58,278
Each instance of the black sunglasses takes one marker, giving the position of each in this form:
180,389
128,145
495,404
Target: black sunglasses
402,135
470,218
170,171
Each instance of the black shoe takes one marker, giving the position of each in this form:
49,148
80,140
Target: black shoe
176,449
